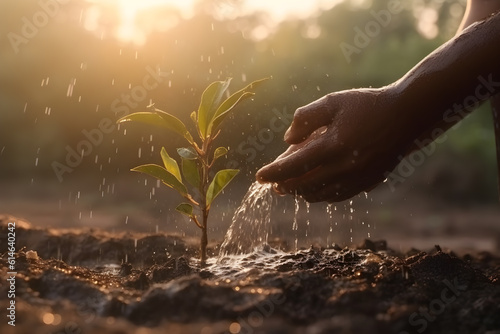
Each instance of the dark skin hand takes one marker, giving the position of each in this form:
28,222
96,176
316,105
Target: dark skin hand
347,142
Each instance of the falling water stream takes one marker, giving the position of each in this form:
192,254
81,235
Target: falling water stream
251,222
250,225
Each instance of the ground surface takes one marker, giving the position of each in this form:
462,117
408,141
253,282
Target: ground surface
78,283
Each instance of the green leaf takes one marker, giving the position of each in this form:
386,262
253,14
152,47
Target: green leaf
231,102
163,175
219,152
161,119
187,153
193,117
191,172
210,102
185,209
220,181
170,164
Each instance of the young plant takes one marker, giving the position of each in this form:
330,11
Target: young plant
194,179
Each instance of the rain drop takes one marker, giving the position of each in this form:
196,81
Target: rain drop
71,86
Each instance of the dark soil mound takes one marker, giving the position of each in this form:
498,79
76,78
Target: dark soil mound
79,282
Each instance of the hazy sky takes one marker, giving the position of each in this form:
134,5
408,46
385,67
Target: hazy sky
128,11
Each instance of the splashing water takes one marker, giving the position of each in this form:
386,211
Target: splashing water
250,225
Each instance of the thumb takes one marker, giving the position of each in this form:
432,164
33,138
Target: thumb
309,118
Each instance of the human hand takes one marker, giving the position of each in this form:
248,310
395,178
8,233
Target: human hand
340,145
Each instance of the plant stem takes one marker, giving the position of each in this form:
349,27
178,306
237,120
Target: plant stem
204,239
205,208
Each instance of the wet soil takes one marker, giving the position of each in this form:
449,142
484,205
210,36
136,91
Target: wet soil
90,281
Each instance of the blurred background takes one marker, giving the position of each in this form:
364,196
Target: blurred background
70,69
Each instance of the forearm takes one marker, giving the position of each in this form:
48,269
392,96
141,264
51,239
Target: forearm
463,71
478,10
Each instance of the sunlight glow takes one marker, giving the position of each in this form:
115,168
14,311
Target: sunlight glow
132,20
427,20
280,10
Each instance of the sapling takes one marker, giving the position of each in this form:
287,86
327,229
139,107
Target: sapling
195,179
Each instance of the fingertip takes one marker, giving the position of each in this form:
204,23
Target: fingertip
280,189
263,175
287,135
293,137
259,178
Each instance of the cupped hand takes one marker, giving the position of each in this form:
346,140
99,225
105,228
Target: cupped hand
340,145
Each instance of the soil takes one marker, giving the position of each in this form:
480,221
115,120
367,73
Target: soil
91,281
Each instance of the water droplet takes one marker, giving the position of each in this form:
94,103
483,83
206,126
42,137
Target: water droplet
71,86
295,225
